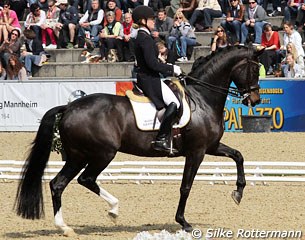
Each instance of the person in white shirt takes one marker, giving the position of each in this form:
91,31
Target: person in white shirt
292,36
35,19
91,22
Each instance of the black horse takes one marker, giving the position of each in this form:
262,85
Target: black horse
94,128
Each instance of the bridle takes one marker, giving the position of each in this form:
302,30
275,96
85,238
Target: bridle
232,91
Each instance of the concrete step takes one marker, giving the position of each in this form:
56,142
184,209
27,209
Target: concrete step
275,21
77,69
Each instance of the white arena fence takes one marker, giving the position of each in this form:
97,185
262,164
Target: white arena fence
138,171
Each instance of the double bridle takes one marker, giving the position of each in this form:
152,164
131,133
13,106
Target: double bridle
232,91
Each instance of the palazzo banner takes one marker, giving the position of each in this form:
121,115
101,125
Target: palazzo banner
22,104
283,100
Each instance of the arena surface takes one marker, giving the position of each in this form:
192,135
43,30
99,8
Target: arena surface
152,207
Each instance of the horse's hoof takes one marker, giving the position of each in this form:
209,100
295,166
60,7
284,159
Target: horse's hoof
113,217
69,232
188,228
236,197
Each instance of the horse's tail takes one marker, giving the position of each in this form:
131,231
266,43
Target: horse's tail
29,198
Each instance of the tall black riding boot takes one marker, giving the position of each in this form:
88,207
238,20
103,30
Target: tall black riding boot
162,140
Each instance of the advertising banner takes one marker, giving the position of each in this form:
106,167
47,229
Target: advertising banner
22,104
283,100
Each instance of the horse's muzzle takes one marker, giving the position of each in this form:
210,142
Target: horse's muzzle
252,98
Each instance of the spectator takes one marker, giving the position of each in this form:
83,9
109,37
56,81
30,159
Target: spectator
173,8
206,11
111,6
276,5
294,37
187,7
8,21
220,39
15,69
232,24
291,10
109,34
49,27
299,59
165,55
19,7
125,45
155,5
35,19
34,53
291,69
183,33
271,43
300,20
255,17
131,4
11,46
68,19
43,5
90,22
2,72
163,25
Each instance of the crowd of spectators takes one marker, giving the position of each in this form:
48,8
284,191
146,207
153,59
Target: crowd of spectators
108,26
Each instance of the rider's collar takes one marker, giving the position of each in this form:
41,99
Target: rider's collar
145,30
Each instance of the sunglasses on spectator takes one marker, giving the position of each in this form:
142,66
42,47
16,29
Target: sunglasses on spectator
5,6
218,31
178,18
14,34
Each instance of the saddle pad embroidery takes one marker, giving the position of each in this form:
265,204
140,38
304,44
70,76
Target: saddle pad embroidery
145,115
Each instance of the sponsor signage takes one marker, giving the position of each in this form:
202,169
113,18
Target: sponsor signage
283,100
22,104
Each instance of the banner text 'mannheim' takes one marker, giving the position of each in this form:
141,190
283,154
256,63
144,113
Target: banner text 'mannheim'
21,104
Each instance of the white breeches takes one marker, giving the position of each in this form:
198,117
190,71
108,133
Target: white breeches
168,95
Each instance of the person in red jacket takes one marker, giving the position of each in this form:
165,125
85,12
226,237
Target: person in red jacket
271,43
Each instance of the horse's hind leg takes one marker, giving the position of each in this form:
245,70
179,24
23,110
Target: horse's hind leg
88,180
227,151
58,185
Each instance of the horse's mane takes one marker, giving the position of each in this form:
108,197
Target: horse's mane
212,61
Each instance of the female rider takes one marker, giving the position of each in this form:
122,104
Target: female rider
148,78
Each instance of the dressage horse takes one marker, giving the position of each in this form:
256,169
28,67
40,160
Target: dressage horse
94,128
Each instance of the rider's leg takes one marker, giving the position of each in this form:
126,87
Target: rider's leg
162,143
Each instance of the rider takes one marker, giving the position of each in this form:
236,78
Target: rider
148,78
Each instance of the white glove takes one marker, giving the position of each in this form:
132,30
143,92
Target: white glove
177,70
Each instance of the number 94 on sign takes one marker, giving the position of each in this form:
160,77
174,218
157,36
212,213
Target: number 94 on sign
5,115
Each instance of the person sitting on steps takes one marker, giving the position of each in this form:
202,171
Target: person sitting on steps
148,78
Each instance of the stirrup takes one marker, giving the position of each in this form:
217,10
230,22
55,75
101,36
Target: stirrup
161,145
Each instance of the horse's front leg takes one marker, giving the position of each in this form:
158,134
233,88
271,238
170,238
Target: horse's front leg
191,166
227,151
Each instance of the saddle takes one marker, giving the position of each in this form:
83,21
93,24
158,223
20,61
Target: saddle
142,104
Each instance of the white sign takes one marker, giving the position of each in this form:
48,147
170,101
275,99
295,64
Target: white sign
22,104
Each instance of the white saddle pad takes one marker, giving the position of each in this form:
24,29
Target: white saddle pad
145,115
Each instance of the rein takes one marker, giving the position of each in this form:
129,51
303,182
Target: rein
232,91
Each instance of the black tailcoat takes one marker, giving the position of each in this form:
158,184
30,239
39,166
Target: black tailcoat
148,76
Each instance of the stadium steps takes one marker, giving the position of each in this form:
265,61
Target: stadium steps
67,62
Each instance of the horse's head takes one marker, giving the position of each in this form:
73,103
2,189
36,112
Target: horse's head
245,75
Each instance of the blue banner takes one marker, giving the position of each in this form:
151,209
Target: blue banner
282,99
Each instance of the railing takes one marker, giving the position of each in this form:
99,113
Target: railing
172,171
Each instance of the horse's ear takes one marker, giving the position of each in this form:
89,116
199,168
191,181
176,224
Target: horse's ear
259,52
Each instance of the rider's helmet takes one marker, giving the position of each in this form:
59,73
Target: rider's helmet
142,12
